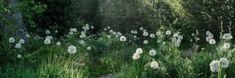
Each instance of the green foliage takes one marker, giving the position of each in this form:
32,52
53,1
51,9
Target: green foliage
31,10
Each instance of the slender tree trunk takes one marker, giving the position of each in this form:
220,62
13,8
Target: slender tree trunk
18,27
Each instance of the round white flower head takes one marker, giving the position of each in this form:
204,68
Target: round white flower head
208,38
214,66
88,48
177,44
192,34
224,62
122,38
21,41
212,41
18,46
111,31
139,50
134,36
117,36
154,64
136,56
226,46
47,41
180,37
58,43
49,37
152,35
108,27
152,52
82,42
135,32
19,56
145,33
145,42
173,40
168,32
70,33
72,49
92,27
158,33
56,31
208,33
11,40
227,36
108,36
48,32
73,30
82,36
175,35
105,29
27,35
119,33
141,28
132,31
163,43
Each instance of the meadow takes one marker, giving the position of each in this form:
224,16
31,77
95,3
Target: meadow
117,39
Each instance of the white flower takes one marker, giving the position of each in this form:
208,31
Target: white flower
177,44
224,62
135,36
139,50
122,38
105,29
82,42
49,37
152,52
21,41
18,46
163,43
168,32
173,40
108,27
110,31
214,66
56,31
47,41
19,56
108,36
152,35
212,41
158,33
11,40
58,43
154,64
227,36
175,34
92,27
208,38
73,30
208,33
48,32
27,35
141,28
180,37
88,48
226,46
72,49
82,36
145,42
119,33
136,56
145,33
70,33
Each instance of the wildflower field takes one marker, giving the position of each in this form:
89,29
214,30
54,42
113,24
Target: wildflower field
117,39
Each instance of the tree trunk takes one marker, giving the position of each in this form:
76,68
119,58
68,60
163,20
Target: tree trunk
18,28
